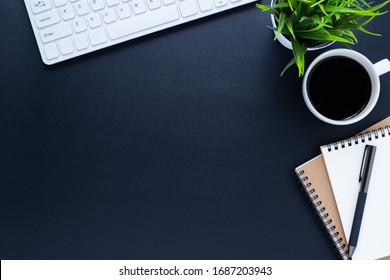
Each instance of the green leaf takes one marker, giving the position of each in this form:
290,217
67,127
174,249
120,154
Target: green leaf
290,27
281,23
299,51
372,11
362,29
322,9
291,63
266,8
316,3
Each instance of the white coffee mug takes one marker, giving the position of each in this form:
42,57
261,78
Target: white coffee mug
373,70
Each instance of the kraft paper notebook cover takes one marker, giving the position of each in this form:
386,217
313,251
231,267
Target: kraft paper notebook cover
315,181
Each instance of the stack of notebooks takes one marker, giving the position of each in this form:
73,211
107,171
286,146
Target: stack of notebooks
331,181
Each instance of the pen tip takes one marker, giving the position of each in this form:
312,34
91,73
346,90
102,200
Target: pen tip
351,250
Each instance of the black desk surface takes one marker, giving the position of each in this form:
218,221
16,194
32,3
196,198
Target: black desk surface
178,145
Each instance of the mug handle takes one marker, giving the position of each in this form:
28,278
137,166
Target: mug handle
382,67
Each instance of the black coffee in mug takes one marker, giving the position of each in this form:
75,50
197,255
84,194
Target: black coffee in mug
339,87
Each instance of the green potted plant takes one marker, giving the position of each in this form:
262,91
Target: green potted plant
303,25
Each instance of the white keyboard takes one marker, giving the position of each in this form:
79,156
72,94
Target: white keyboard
65,29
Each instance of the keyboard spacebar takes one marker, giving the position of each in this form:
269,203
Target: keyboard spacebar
142,22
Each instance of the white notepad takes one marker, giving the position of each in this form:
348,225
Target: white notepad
343,161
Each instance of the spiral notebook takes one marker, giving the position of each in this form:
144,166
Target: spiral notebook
316,183
343,162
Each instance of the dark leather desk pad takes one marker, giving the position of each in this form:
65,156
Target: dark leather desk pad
178,145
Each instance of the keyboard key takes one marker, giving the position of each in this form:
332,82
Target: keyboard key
39,6
97,4
124,11
220,3
109,16
79,25
205,5
51,51
135,24
111,3
138,6
67,12
82,8
59,3
97,36
81,42
66,46
56,32
94,20
47,18
188,8
168,2
153,4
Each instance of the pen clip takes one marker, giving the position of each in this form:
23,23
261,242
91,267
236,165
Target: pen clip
362,167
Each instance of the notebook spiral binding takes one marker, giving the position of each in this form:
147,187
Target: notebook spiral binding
338,242
361,138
